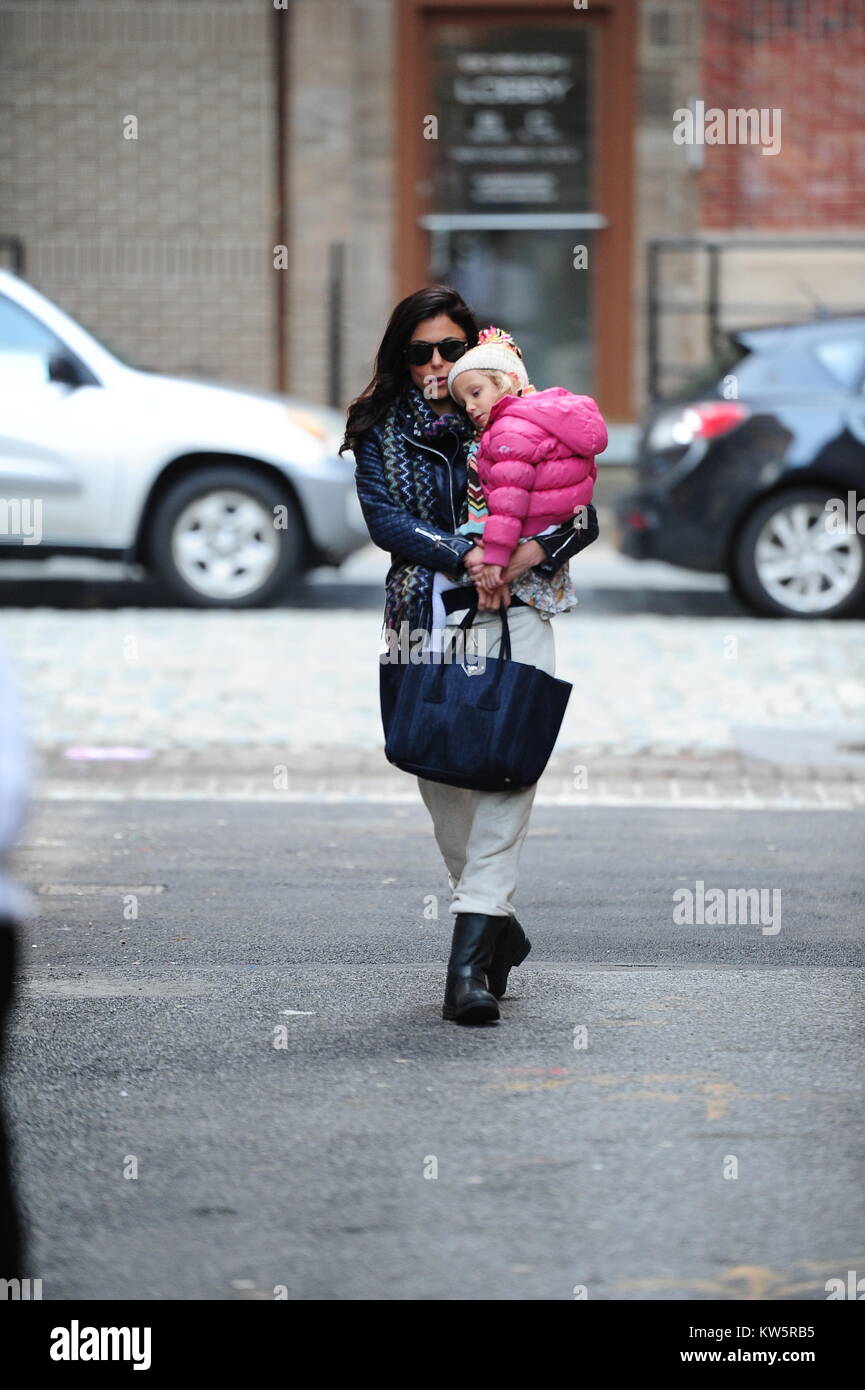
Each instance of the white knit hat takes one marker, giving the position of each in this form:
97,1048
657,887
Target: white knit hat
495,351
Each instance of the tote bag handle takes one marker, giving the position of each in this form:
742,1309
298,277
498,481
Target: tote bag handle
435,688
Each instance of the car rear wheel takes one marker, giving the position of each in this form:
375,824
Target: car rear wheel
215,541
790,562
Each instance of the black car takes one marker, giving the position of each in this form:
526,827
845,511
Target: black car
758,471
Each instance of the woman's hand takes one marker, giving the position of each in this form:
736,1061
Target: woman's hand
522,559
499,598
474,561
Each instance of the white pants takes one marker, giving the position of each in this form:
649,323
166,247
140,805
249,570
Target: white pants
480,834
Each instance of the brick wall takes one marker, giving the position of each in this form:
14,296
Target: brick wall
808,59
340,188
161,245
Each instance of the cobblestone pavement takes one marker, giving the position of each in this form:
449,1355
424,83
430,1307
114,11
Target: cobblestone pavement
734,711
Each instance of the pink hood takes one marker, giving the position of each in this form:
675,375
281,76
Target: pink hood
575,420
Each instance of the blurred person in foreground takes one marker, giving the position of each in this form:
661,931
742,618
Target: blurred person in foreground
14,908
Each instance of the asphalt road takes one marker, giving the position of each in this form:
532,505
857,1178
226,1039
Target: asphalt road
383,1153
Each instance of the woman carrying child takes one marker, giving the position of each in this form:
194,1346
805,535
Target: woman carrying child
411,450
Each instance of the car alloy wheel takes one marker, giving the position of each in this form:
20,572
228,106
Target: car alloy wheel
224,544
801,563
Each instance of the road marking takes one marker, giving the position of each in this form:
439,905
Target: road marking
114,987
850,799
746,1283
98,890
716,1095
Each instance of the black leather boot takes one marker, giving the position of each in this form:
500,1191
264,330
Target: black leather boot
512,947
467,999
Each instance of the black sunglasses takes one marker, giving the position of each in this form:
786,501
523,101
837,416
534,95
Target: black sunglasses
451,349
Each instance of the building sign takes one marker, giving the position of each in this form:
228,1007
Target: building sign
513,108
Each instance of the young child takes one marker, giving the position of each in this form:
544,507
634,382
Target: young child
535,458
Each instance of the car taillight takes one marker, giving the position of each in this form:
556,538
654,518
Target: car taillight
707,420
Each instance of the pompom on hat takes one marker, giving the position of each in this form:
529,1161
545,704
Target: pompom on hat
496,351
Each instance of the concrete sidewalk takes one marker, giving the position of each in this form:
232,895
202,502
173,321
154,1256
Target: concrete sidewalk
223,700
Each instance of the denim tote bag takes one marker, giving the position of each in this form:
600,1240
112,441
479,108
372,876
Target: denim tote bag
489,727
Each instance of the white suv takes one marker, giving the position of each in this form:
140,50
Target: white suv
222,494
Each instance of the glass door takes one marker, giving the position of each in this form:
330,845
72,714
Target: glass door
512,179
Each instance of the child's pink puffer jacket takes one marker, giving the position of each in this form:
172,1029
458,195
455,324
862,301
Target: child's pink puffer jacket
536,464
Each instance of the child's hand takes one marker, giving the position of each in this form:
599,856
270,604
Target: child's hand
490,578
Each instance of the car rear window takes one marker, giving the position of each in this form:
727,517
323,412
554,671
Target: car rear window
843,358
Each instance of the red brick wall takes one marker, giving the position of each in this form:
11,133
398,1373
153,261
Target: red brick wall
808,58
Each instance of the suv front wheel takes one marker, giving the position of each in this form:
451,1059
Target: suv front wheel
225,538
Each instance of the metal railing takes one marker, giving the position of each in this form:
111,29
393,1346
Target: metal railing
717,310
12,246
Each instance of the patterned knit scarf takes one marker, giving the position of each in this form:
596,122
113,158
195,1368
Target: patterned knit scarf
409,477
476,506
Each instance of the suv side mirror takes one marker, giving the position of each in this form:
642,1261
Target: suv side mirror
65,370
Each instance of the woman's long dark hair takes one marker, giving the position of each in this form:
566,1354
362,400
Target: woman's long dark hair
389,375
